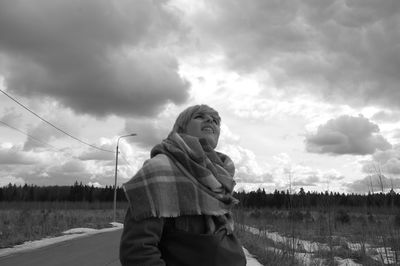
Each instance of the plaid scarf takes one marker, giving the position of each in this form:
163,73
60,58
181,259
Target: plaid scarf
184,176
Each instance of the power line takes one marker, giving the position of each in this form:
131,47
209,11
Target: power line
35,139
40,141
59,129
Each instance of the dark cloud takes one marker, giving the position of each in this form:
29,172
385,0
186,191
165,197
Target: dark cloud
347,135
340,50
96,57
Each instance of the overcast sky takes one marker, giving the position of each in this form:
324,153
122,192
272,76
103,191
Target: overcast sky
308,90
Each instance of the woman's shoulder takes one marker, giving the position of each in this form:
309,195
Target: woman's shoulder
157,167
158,161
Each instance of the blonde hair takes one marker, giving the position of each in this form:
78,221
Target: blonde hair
186,115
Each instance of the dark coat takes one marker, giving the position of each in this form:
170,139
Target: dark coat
162,241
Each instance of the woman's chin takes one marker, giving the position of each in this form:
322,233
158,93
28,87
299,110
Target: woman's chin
211,141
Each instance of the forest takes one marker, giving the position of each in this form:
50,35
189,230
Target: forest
252,199
76,192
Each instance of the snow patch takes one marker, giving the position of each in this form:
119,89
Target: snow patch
305,248
251,261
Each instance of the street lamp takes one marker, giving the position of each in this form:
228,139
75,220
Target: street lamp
116,170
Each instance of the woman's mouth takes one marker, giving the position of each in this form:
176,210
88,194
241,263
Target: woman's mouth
208,129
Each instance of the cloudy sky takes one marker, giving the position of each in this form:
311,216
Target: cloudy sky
308,90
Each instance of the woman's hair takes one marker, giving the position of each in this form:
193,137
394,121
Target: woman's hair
184,117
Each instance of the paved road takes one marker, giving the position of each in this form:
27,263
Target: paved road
92,250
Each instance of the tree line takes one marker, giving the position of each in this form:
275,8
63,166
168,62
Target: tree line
76,192
302,199
253,199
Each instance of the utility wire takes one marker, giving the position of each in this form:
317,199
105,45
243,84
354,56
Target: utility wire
42,142
33,138
59,129
20,131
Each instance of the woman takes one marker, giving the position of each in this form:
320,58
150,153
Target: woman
180,200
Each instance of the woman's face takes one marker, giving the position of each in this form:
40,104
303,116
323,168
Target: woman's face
204,126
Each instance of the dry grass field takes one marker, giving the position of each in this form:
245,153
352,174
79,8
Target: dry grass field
25,221
321,236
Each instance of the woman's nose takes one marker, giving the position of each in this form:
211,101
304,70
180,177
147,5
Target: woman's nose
208,118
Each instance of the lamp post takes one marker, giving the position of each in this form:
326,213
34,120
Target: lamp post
116,170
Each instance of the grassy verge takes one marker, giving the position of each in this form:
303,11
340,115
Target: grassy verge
20,222
347,234
257,244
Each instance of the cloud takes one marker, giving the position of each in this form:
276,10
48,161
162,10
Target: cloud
91,154
95,184
386,116
97,155
45,168
373,183
56,173
396,134
255,186
291,175
245,175
11,117
387,162
15,156
42,134
150,131
311,180
316,179
284,173
248,170
73,166
96,57
339,50
393,166
6,180
347,135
